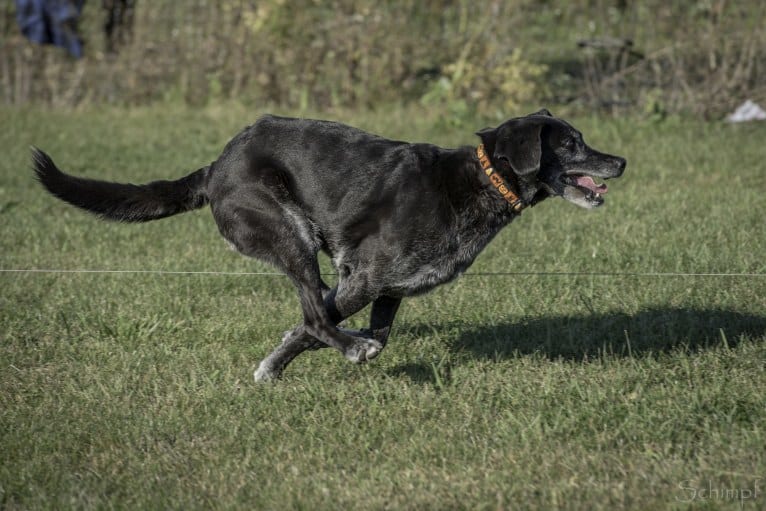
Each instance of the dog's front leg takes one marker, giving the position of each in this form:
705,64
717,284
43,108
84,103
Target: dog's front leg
382,316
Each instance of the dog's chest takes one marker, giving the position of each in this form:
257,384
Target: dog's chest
434,264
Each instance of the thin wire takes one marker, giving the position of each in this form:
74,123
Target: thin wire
615,274
152,272
471,274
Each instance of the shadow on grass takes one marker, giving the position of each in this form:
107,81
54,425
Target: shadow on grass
585,337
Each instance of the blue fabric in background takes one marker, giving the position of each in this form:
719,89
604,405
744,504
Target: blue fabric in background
51,22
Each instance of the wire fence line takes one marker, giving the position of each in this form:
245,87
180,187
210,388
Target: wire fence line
469,274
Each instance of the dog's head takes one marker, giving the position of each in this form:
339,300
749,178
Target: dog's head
548,157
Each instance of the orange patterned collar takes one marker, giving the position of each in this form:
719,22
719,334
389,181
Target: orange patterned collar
498,182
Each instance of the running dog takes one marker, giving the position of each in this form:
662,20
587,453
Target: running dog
397,218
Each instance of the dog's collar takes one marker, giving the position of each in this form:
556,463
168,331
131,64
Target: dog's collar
500,184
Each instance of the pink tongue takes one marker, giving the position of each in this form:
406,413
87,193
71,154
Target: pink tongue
587,182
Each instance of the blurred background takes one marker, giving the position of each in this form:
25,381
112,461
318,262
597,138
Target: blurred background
465,58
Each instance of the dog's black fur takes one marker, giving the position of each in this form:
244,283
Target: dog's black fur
396,218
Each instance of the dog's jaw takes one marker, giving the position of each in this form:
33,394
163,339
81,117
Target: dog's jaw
584,199
582,190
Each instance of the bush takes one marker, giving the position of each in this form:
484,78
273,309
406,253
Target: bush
488,56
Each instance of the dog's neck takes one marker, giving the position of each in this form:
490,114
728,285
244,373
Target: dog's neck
500,184
477,204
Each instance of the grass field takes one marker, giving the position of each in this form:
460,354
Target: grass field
135,391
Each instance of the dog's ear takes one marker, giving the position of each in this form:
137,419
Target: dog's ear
488,137
543,111
520,146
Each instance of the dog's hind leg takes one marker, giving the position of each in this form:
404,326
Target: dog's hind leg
280,233
319,320
298,340
337,306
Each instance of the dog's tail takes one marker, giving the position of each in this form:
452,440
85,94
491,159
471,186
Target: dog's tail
123,202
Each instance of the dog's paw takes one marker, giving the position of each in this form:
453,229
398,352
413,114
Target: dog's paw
363,350
266,373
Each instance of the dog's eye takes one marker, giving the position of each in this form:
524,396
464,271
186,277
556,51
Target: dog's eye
570,144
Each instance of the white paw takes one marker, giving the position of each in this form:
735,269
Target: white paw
265,373
363,350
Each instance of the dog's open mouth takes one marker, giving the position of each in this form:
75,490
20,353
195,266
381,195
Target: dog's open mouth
583,190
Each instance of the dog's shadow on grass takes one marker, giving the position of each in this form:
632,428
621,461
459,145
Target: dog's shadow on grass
586,337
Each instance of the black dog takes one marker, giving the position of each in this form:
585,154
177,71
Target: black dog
397,218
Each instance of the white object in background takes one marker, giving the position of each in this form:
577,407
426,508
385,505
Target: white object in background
747,111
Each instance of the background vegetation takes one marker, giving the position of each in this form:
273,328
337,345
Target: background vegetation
700,57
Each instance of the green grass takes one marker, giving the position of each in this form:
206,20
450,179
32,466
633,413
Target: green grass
532,392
